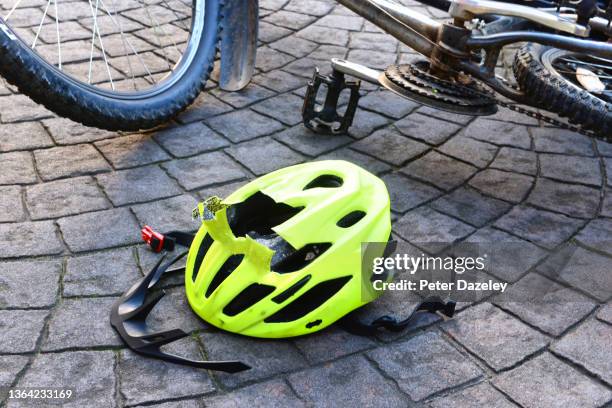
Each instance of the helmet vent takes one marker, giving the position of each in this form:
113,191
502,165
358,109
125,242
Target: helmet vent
309,301
247,298
207,241
226,269
325,181
292,290
351,219
299,259
258,214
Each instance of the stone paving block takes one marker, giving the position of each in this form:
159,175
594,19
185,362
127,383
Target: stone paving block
504,185
606,207
330,344
295,46
289,19
353,23
168,215
132,150
608,163
545,304
173,310
22,136
499,133
419,375
507,115
307,142
189,140
267,358
573,200
605,313
471,206
24,239
145,380
18,108
372,41
552,140
17,168
494,336
362,160
279,81
429,130
42,283
138,185
582,269
10,366
204,107
81,323
597,235
364,386
256,153
220,191
315,8
390,146
305,67
272,394
387,103
325,35
327,52
516,160
583,170
69,161
480,395
247,96
542,227
270,32
406,193
269,59
372,59
89,374
203,170
442,171
564,385
21,329
83,232
67,132
286,108
365,123
510,257
189,403
469,150
245,124
589,347
448,116
11,204
605,149
102,273
431,230
59,198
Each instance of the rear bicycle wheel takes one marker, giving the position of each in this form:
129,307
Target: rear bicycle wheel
112,64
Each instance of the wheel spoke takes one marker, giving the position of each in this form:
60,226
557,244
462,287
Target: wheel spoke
59,42
42,20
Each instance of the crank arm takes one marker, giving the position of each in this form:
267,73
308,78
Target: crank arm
358,71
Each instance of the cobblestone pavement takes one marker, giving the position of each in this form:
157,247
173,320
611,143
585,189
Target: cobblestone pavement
72,200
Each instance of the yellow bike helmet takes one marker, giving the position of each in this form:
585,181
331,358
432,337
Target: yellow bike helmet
280,257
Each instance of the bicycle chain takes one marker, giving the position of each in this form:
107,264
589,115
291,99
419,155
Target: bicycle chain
444,91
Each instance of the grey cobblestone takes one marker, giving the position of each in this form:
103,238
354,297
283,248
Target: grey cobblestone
367,162
597,235
204,107
440,170
11,206
103,229
388,104
499,133
551,140
331,344
202,170
285,108
189,140
137,185
81,323
471,206
390,146
20,329
67,132
272,394
480,395
324,35
253,155
365,123
89,374
573,200
22,136
10,366
279,81
564,385
575,169
247,96
69,161
306,142
295,46
102,273
332,382
507,186
605,313
520,161
242,125
64,197
168,215
426,129
24,239
494,336
17,108
407,194
469,150
131,151
17,168
42,284
416,373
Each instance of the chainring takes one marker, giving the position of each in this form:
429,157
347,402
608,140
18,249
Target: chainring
414,82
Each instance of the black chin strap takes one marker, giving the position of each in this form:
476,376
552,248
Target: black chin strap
431,305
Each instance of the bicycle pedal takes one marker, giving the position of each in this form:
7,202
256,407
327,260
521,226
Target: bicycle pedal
326,119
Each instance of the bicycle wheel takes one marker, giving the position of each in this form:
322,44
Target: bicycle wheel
112,64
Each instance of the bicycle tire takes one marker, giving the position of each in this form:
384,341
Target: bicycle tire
548,91
70,98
